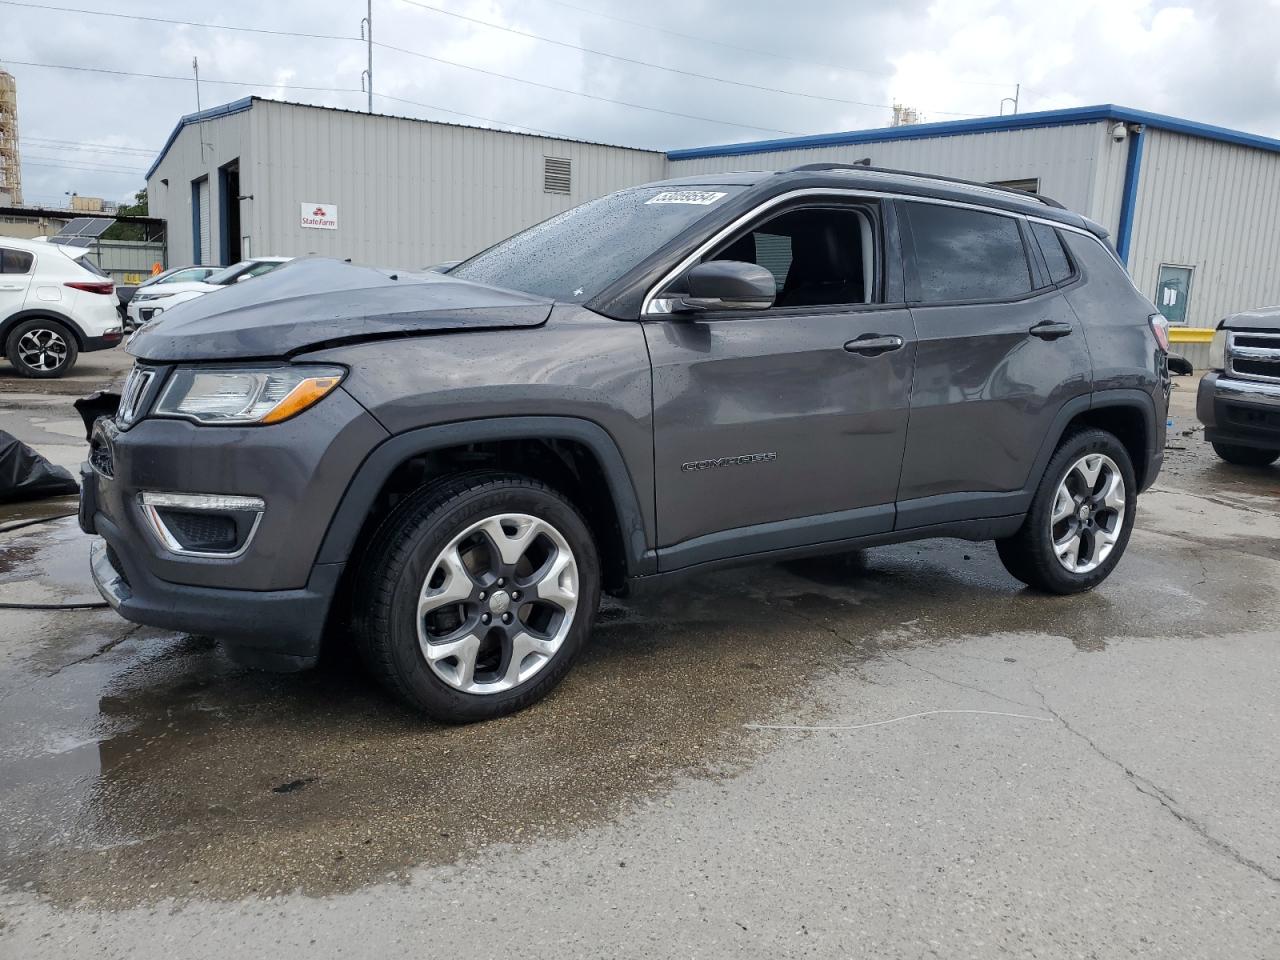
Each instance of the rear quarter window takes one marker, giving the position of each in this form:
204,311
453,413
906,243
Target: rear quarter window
1055,254
966,254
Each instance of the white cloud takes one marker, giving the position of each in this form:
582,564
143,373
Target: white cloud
1209,61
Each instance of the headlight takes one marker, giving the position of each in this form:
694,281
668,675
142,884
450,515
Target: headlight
245,395
1218,351
142,297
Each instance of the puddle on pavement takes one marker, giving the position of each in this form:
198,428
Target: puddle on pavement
47,562
160,769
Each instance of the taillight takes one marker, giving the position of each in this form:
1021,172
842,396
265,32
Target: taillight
105,287
1160,327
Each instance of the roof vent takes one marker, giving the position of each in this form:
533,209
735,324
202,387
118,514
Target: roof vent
556,175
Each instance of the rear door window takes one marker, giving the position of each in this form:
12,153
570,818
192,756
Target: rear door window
15,261
966,254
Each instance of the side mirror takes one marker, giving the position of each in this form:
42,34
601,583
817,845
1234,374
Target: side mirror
243,277
727,285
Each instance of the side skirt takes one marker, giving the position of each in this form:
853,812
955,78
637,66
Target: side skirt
988,528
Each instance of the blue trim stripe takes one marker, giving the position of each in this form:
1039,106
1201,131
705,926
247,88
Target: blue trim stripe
1020,121
225,110
1129,199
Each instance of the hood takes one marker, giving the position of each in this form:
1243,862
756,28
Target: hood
169,289
1263,318
314,302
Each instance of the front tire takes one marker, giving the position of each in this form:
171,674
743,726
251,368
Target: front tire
476,595
1246,456
1080,518
41,349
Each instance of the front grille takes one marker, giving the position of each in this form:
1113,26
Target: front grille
116,565
100,458
133,396
1254,356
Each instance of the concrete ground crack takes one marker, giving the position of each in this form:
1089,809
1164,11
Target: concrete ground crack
104,648
907,663
1160,795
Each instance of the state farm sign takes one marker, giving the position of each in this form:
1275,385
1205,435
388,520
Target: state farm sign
320,216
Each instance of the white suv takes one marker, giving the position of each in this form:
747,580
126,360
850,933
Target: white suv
148,304
54,305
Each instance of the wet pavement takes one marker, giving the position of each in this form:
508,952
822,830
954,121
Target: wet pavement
894,753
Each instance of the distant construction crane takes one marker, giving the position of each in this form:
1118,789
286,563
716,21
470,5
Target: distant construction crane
10,166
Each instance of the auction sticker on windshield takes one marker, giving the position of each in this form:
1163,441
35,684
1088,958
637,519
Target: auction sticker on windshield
700,198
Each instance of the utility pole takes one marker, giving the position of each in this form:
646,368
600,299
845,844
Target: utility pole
366,32
1017,93
195,68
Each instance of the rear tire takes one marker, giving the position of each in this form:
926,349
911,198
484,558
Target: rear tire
1246,456
41,349
476,595
1080,517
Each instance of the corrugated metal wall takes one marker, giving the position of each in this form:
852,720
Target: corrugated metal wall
1063,159
409,193
1214,207
225,139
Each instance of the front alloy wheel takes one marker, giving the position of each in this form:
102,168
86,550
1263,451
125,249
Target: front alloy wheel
1088,513
475,595
498,603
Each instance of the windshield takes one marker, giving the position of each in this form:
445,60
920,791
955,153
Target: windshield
575,255
253,268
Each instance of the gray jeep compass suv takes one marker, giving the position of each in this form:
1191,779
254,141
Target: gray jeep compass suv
451,467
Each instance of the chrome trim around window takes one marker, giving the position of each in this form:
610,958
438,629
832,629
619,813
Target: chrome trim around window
655,306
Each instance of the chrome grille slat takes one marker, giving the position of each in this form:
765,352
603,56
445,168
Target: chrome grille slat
1254,355
131,396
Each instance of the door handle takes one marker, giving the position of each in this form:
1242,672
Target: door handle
1051,330
872,345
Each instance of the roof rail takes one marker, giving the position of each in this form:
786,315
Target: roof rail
867,168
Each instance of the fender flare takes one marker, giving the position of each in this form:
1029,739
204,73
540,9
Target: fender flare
1099,400
368,480
42,313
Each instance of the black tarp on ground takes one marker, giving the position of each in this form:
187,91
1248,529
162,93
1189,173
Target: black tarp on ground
25,475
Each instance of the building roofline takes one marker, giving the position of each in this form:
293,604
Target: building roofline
52,213
222,110
240,106
1020,121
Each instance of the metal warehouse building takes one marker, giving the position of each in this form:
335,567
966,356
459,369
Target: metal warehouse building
1193,209
266,178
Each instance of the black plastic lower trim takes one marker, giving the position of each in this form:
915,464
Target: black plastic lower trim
284,626
106,342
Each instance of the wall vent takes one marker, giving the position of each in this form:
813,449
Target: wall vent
557,175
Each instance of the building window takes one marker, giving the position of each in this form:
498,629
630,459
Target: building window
557,175
1173,292
1029,184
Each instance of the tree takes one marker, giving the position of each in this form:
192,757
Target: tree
130,231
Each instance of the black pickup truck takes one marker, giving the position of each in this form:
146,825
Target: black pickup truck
1239,400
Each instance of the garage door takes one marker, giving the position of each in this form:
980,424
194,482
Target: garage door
203,248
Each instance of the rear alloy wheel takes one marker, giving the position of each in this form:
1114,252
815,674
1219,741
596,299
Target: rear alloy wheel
41,349
1088,513
1246,456
475,596
1080,517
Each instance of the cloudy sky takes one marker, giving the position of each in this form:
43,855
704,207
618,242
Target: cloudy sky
686,72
